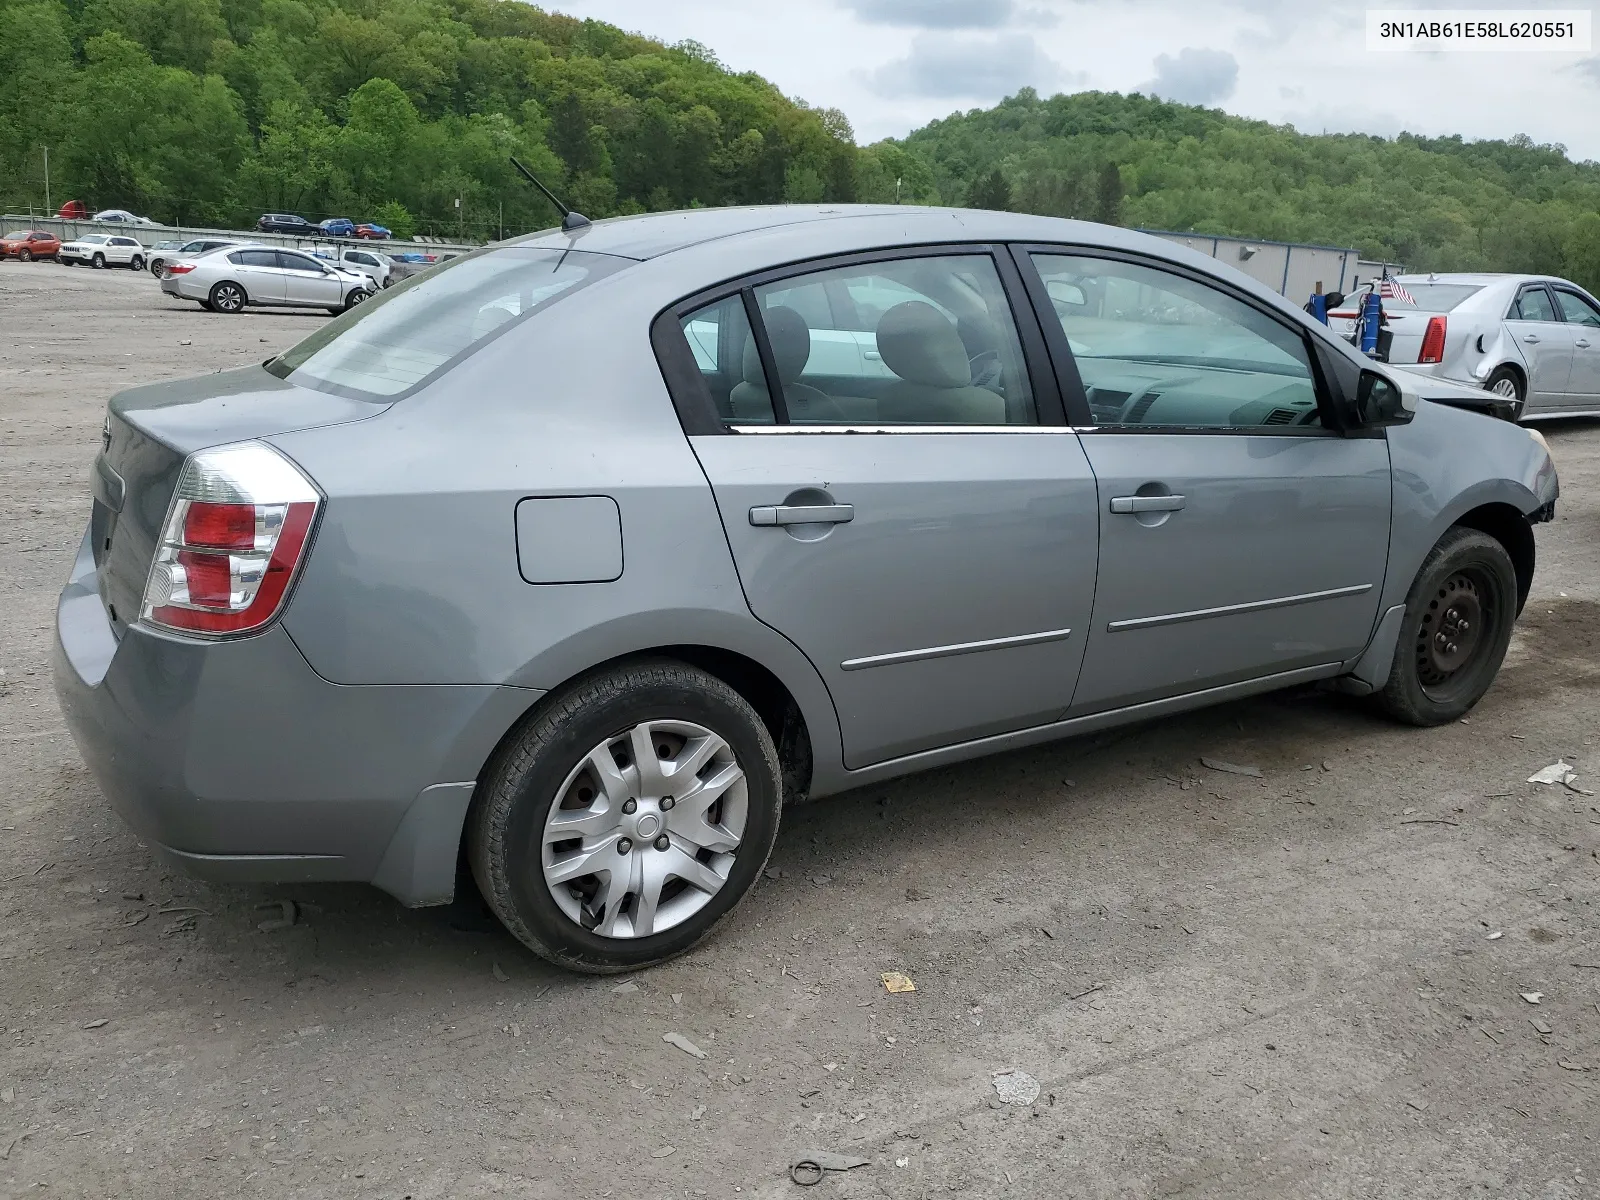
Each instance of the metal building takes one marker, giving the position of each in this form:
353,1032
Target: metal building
1292,269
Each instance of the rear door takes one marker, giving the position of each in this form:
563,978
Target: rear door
258,272
1583,315
928,543
1240,538
1546,342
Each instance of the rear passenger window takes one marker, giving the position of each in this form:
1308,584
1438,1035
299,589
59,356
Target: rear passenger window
719,338
917,341
1532,305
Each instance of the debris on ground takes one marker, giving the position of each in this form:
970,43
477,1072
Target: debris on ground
894,981
1216,764
1532,997
1016,1087
663,1152
499,973
683,1043
1419,1105
914,894
8,1096
97,1022
1541,1026
1495,936
1557,772
290,913
698,1111
902,1162
625,989
808,1169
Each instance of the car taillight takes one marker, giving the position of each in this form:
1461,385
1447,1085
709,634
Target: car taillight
180,268
1433,341
235,535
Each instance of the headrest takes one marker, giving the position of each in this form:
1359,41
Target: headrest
791,346
919,344
978,334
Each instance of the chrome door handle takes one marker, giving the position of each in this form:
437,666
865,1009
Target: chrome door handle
1530,337
1139,504
802,514
1582,343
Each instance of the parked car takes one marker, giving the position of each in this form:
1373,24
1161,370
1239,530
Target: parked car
121,216
73,210
500,564
286,223
25,244
338,227
167,253
1533,339
415,256
374,232
374,264
103,250
228,280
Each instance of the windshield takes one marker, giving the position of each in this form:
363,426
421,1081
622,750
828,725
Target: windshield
96,238
1432,297
399,339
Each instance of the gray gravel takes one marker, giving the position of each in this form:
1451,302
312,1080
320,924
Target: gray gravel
1300,994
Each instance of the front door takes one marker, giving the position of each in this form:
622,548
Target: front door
1239,538
1583,384
923,539
1546,343
308,282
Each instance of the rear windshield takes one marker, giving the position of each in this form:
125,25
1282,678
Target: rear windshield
408,333
1433,297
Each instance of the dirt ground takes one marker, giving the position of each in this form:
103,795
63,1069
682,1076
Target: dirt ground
1306,985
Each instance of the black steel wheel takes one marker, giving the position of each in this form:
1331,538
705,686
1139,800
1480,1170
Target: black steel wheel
1457,626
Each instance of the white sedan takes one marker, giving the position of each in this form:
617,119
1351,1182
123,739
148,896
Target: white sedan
122,216
104,250
1533,339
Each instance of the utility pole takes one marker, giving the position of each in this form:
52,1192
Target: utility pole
897,190
48,211
460,234
501,222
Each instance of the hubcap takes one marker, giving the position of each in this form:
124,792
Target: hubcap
1506,388
645,829
1452,629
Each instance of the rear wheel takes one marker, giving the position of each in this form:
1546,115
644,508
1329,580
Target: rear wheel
1507,383
206,304
628,818
138,262
1456,628
98,262
227,297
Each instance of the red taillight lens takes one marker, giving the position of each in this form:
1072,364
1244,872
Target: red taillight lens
237,530
1433,341
180,268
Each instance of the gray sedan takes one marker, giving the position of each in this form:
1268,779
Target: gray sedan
1532,339
228,280
584,554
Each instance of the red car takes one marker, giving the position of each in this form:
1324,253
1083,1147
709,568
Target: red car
29,243
368,230
73,210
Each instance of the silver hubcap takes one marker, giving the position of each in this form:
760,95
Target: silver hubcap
1506,388
645,830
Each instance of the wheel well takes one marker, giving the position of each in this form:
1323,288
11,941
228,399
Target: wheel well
1522,378
1511,529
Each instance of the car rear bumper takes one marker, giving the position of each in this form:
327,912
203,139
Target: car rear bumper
238,762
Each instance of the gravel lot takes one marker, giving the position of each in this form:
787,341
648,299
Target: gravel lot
1305,985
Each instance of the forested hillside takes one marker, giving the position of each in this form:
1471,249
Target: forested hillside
216,110
1441,203
213,111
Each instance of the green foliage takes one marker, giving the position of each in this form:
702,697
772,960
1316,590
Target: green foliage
218,110
1432,203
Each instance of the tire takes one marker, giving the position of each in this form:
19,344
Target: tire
138,262
227,297
25,254
1456,628
354,298
98,262
206,304
156,264
546,767
1504,381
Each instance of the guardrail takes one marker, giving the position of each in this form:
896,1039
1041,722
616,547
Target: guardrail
68,229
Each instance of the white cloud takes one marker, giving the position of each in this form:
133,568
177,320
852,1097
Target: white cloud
934,14
1194,76
950,66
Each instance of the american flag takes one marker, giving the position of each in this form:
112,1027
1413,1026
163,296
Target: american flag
1390,289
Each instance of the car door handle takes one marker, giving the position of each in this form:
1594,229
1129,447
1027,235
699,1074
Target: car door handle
1530,337
1140,504
872,356
1582,343
802,514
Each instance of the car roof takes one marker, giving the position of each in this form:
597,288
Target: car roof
1481,278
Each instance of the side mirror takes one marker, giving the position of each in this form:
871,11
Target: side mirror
1382,400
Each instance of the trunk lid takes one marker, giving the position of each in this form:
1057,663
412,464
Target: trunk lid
148,433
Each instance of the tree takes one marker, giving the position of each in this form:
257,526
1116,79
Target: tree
991,191
1108,197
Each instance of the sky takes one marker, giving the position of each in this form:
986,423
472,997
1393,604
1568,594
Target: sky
894,65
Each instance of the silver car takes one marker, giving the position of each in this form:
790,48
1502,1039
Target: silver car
1532,339
583,554
229,279
171,252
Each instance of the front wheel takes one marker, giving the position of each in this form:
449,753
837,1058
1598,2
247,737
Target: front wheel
227,297
355,298
98,262
628,818
1456,628
25,254
156,264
